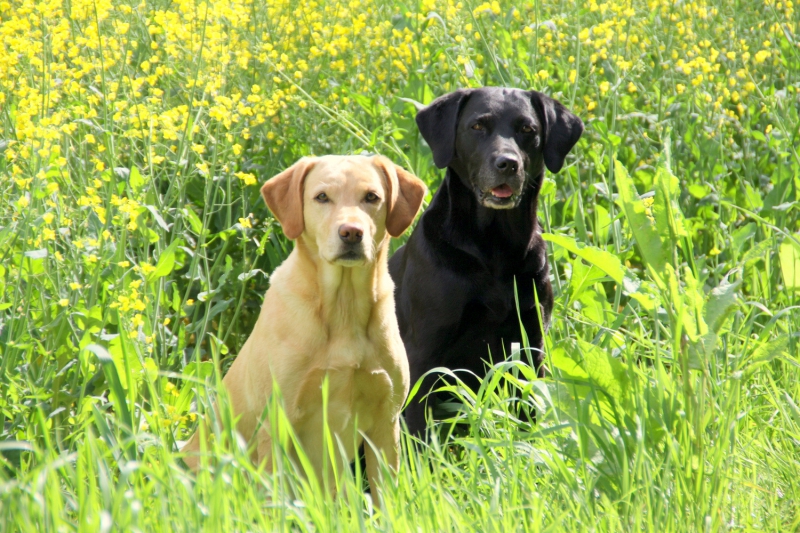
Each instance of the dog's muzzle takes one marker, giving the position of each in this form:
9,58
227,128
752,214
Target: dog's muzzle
502,196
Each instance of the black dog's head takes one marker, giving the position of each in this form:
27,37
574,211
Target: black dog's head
498,139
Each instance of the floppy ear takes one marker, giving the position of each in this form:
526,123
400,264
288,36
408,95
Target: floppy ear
404,192
562,129
437,124
284,196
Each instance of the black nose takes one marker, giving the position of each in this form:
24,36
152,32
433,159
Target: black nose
350,234
507,163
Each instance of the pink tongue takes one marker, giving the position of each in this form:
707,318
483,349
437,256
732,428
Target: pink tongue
503,191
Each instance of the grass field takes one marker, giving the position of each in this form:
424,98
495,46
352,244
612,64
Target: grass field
135,250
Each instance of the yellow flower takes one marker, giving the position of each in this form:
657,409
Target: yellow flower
762,56
247,178
245,222
63,302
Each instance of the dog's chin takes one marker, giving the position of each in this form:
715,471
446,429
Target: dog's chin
350,258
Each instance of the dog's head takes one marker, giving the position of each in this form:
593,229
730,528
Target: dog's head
343,206
497,140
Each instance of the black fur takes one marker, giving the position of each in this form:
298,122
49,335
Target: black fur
455,275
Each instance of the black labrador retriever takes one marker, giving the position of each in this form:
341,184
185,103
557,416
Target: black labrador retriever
455,276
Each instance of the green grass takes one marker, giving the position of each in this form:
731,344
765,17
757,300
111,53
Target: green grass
135,250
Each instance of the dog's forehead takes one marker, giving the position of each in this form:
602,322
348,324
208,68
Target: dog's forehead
347,172
499,102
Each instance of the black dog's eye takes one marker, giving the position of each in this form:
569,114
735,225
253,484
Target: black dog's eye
371,198
527,129
321,198
478,126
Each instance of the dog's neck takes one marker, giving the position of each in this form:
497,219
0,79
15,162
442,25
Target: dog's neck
510,229
344,296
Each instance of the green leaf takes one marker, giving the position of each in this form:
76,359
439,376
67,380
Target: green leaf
758,252
136,180
194,221
605,261
654,250
166,261
755,200
113,379
691,297
583,276
669,217
790,264
720,302
698,191
599,368
125,359
766,352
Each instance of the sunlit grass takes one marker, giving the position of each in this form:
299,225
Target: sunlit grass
135,250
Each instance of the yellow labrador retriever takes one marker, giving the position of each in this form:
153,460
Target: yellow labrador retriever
330,312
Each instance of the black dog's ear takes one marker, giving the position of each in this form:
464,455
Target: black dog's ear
437,123
562,129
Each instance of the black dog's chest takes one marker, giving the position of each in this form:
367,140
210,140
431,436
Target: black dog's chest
494,299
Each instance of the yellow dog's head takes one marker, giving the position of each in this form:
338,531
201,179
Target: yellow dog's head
343,206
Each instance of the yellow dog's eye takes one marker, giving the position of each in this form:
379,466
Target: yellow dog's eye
477,126
371,198
527,129
321,198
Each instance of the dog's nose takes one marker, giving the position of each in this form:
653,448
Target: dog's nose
350,234
507,163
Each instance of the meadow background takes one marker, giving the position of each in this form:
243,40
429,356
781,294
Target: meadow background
135,250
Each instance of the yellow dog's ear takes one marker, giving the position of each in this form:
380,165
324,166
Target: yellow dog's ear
284,196
405,192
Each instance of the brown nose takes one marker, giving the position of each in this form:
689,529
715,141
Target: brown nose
350,234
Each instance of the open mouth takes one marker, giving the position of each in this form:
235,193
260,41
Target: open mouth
503,191
500,197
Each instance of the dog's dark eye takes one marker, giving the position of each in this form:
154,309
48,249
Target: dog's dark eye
321,198
371,198
478,126
527,129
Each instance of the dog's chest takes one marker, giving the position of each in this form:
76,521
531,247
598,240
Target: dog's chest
358,385
494,299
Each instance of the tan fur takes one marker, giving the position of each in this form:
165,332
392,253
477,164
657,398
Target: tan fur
327,316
